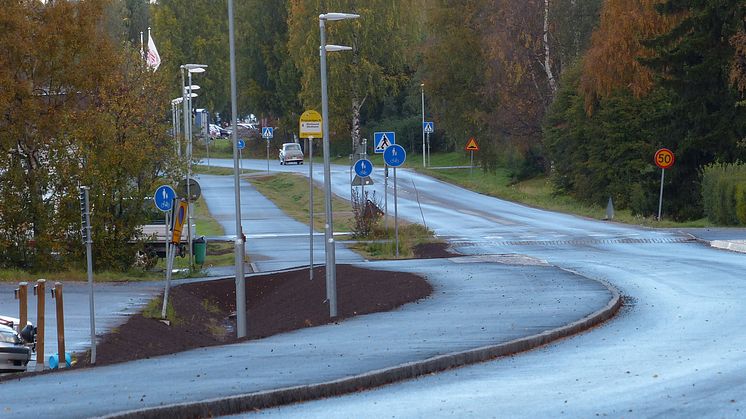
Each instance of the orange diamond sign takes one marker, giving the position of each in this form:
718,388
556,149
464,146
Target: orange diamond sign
472,145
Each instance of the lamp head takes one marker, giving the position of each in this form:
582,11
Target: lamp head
338,16
332,48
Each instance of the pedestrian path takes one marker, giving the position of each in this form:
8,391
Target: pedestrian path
476,303
275,240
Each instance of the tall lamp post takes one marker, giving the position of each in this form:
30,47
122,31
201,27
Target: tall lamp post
331,268
422,94
238,243
188,95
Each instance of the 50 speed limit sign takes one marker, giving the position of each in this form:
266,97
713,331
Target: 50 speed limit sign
664,158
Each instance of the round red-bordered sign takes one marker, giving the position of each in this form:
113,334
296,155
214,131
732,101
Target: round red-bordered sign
664,158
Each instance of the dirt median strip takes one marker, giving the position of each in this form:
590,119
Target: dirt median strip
278,397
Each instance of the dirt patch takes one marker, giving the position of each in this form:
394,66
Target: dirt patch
276,303
433,250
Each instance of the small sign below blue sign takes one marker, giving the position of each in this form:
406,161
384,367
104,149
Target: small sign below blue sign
164,198
394,155
363,168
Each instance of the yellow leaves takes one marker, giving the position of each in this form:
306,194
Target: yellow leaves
611,62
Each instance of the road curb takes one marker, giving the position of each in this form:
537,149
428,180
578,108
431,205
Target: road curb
277,397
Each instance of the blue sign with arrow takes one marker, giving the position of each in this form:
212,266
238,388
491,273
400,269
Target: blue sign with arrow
394,155
164,198
241,144
363,168
268,132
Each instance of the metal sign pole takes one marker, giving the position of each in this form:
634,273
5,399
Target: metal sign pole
310,206
385,196
89,262
267,155
168,226
429,158
396,216
660,199
471,162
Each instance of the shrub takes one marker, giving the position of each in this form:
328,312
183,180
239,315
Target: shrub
724,193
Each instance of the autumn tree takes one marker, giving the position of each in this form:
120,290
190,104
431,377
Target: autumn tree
613,61
65,122
376,68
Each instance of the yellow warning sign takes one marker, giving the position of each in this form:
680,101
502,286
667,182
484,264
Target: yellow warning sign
471,145
179,217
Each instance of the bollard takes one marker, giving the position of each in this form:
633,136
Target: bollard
39,290
57,294
22,297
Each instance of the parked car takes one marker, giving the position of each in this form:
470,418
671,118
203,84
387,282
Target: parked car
14,354
214,131
291,152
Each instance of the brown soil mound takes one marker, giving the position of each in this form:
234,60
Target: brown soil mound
276,303
433,250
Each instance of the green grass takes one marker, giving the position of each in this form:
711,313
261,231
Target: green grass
382,244
536,192
290,193
220,171
15,275
155,307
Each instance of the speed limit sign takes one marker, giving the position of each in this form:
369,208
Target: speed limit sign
664,158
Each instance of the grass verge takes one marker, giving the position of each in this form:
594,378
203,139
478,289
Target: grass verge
290,193
537,192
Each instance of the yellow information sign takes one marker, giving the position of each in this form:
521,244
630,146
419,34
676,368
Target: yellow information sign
310,125
472,145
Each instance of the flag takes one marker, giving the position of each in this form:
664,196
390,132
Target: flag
153,60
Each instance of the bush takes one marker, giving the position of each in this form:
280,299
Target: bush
724,193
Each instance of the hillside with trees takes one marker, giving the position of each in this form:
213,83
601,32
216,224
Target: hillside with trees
579,91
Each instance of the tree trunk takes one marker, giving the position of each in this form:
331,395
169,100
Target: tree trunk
547,58
355,134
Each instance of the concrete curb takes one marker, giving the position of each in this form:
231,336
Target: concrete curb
270,398
732,245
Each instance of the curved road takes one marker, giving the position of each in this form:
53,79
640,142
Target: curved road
678,349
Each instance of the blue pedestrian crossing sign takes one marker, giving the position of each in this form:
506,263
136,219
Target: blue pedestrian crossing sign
164,198
268,132
363,167
241,144
428,127
394,155
382,140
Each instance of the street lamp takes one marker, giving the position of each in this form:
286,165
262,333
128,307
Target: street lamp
238,242
188,95
331,268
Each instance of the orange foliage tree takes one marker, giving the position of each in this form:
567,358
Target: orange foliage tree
612,61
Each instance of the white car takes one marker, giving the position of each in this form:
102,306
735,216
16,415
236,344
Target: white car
291,152
14,354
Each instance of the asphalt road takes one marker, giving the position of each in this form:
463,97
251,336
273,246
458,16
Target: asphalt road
113,304
676,350
274,240
679,349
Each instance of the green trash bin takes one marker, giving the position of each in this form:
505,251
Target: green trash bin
199,247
